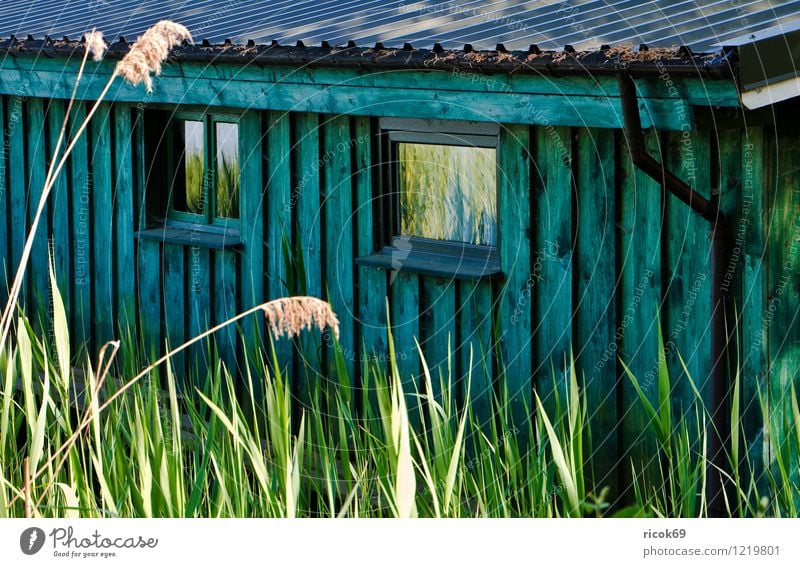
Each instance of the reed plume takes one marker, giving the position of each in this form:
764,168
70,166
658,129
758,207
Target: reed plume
95,45
150,51
289,316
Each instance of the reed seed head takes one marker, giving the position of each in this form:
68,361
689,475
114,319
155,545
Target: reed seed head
95,44
150,51
288,316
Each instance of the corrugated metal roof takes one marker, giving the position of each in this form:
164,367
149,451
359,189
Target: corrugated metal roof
702,25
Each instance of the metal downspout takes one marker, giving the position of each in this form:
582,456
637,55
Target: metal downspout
720,256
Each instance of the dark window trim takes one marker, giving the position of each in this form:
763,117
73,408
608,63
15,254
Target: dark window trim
413,253
209,216
439,258
453,127
443,139
211,236
172,168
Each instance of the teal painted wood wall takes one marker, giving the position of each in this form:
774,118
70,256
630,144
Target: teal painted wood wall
591,250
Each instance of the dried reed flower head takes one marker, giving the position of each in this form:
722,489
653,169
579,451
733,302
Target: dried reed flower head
95,44
150,51
288,316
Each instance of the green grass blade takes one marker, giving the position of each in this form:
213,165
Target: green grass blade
655,417
560,461
5,512
405,480
664,388
60,330
40,427
72,505
458,449
5,417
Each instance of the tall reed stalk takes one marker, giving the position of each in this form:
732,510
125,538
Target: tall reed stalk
143,59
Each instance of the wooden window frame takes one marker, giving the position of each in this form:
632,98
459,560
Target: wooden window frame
209,217
415,253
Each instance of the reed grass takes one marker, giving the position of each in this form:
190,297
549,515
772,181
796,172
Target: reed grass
96,446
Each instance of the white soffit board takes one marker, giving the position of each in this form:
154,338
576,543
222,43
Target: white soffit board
771,94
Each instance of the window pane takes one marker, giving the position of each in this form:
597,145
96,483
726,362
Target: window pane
448,192
189,155
227,170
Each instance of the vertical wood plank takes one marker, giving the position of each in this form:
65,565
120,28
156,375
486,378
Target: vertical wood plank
278,218
150,297
141,168
252,224
337,198
595,310
5,252
147,285
60,206
754,303
102,226
741,200
783,309
225,306
124,216
38,266
514,303
638,305
17,196
371,281
404,288
80,181
306,196
551,285
173,296
198,275
439,332
474,331
687,259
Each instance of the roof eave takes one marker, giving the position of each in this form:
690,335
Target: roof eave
643,62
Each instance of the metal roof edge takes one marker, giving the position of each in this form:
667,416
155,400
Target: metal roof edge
607,60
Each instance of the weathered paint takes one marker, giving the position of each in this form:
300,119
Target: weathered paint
783,285
594,302
102,235
640,263
423,94
552,198
59,204
35,164
82,265
4,240
751,238
515,316
124,213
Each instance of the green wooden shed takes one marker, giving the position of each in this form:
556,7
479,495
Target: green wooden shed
520,183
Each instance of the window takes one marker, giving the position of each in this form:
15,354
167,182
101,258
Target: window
447,192
192,178
203,168
438,200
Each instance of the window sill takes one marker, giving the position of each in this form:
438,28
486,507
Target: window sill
436,258
204,236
